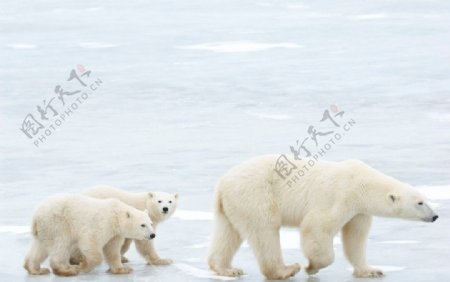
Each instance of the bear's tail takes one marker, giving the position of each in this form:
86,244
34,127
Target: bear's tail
218,207
34,231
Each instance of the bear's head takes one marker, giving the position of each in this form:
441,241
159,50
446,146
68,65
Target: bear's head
161,205
383,195
137,224
405,202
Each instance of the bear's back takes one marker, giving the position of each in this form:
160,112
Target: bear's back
69,211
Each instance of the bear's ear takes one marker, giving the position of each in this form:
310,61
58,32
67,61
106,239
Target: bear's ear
175,195
128,214
393,198
150,194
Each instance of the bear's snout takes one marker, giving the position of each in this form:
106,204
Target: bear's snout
153,235
165,209
432,218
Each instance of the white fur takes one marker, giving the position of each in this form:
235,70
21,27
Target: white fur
252,202
94,228
154,203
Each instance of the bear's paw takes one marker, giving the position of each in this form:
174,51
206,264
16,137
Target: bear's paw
285,272
368,272
121,270
160,261
232,272
40,271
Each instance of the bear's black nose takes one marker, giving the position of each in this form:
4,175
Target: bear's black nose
165,209
435,217
152,235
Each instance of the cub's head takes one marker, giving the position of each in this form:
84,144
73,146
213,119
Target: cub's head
407,203
161,205
137,224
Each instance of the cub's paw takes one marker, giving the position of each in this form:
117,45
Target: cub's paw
71,270
120,270
124,260
43,271
160,261
40,271
368,272
232,272
293,269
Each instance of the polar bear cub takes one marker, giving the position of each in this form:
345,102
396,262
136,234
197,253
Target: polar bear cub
160,206
252,202
95,228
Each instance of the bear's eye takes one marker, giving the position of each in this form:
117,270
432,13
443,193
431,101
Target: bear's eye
159,201
420,203
142,225
170,202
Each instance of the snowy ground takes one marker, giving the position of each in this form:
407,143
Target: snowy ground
191,88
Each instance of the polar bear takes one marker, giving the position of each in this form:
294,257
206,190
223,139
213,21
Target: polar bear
252,202
96,228
160,206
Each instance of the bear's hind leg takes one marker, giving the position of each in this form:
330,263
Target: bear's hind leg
59,261
34,258
317,244
265,243
225,242
91,252
75,257
354,238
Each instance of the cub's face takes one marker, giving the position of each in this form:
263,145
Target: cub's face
138,225
162,204
412,205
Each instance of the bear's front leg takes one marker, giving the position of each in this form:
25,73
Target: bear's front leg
147,249
113,256
354,239
124,249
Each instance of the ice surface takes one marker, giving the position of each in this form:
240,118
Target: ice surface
236,47
194,87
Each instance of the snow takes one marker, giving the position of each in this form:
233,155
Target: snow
368,17
21,46
192,215
441,192
200,273
191,88
385,268
97,45
232,47
15,229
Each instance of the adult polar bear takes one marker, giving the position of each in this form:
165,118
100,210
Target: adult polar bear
252,202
